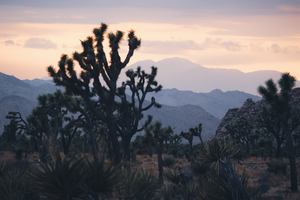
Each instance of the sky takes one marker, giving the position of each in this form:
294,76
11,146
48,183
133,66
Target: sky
232,34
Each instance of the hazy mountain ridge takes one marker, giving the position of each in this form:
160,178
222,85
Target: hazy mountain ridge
182,109
215,102
14,103
182,118
28,89
185,75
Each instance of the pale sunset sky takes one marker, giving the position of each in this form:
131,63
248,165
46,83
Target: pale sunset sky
234,34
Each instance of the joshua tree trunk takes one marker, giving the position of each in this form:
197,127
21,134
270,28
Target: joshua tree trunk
292,158
160,160
126,147
278,149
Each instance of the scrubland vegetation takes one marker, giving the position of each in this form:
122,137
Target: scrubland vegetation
88,147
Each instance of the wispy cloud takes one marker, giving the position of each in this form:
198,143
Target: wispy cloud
11,43
40,43
277,49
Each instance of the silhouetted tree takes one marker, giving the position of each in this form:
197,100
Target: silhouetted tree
189,137
269,120
156,135
51,119
130,109
99,73
240,132
280,103
15,129
197,131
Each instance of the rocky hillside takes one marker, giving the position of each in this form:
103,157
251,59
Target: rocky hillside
250,110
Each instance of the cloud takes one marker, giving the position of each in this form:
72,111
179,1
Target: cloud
232,46
179,46
11,43
40,43
277,49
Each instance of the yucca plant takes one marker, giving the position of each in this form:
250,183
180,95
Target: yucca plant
218,152
168,191
216,187
189,190
59,180
173,175
139,184
101,179
15,183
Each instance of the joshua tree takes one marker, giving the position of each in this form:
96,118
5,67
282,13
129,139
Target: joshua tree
280,103
49,119
268,119
189,136
156,136
130,112
240,132
101,74
197,131
16,127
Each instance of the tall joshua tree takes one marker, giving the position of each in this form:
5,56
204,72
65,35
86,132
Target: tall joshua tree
280,103
100,73
130,110
156,135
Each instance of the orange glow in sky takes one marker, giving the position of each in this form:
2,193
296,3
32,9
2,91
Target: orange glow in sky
34,37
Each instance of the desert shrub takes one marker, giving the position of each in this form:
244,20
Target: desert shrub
59,180
138,184
277,166
173,175
169,161
199,168
77,178
168,192
100,179
15,181
216,187
189,190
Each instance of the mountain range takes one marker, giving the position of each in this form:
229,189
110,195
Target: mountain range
183,74
181,108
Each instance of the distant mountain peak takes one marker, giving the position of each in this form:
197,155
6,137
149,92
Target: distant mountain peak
216,91
185,75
